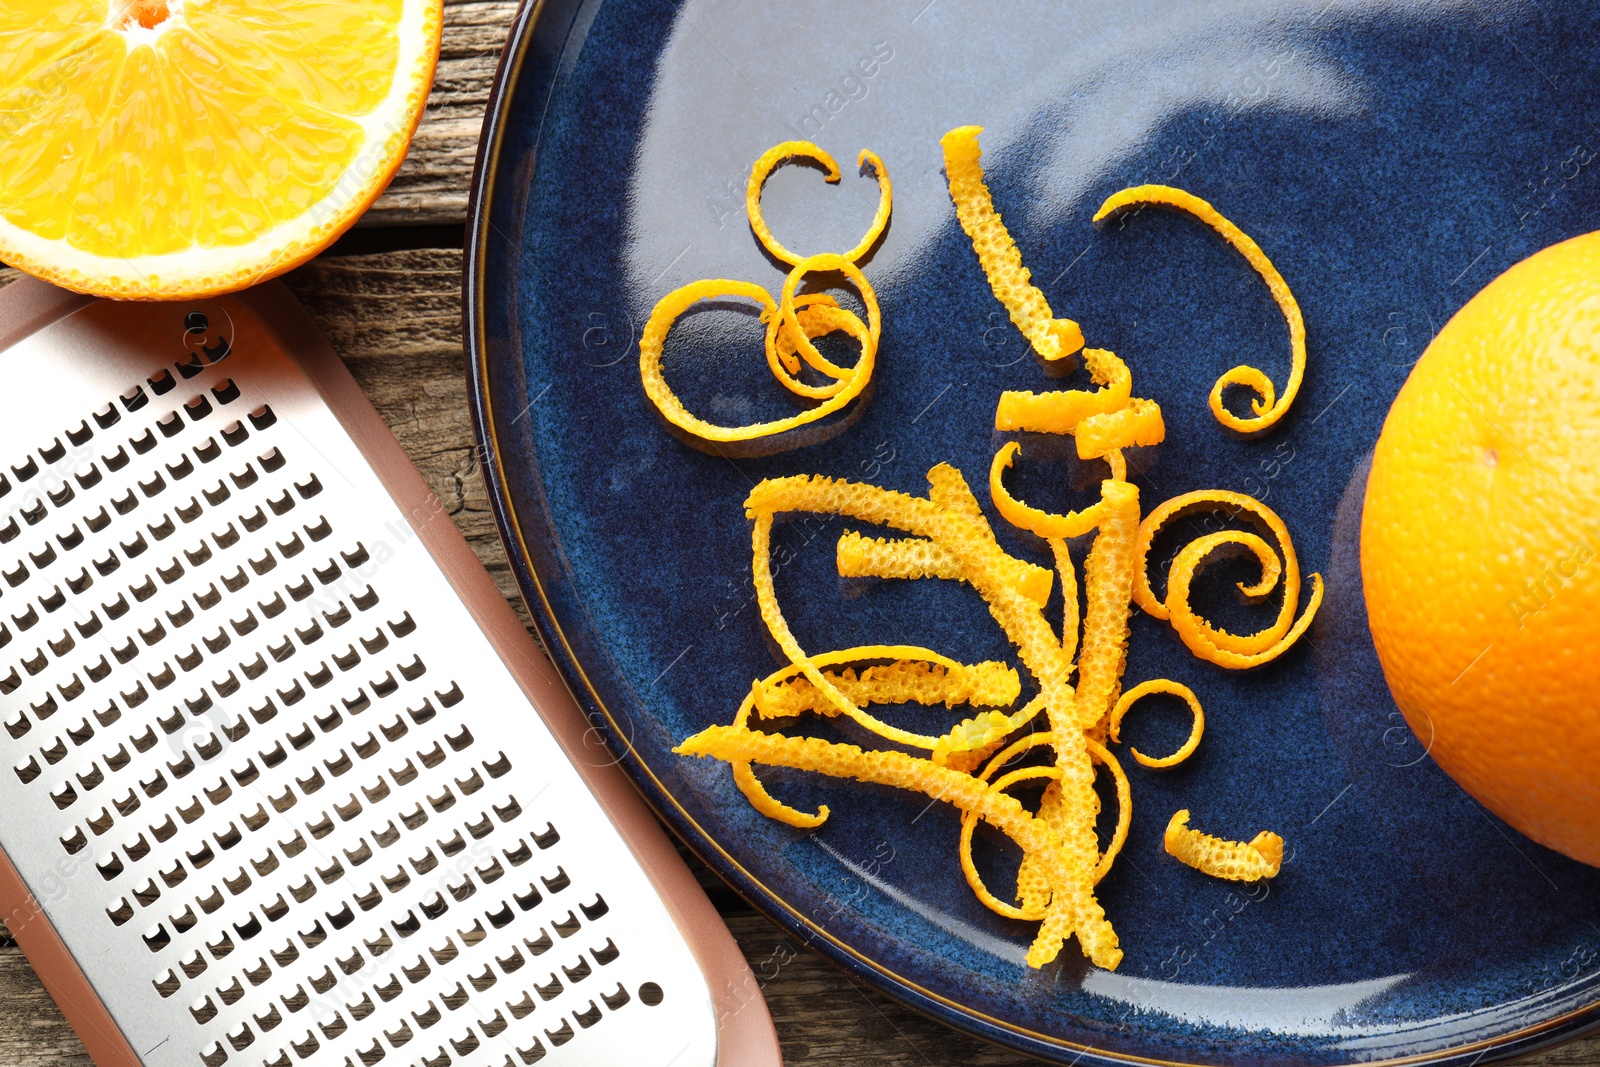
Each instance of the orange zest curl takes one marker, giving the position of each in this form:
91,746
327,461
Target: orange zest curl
1204,640
1161,685
776,156
820,320
1062,410
1239,861
1044,523
1051,338
1267,405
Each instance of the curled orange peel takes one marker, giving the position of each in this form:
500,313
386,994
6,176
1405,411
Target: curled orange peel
788,308
1044,523
1138,422
652,340
1032,890
1161,685
776,156
1051,338
817,314
1208,642
1062,410
1267,405
1239,861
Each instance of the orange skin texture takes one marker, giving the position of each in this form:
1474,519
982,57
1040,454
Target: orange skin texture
1480,547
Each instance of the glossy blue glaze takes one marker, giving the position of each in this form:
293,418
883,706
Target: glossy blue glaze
1391,157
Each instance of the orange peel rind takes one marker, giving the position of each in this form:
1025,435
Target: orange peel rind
1052,338
669,308
1267,405
1045,524
1161,685
1062,410
776,156
1238,861
911,557
1208,642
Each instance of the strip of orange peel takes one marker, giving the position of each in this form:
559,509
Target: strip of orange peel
776,156
1267,405
667,311
1051,338
1161,685
910,557
1044,523
1062,410
1239,861
1206,641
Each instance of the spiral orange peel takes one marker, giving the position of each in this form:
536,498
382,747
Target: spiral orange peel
1268,407
776,156
1208,642
667,311
1167,686
1238,861
1012,283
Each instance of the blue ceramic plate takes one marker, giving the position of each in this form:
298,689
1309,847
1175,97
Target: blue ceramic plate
1392,157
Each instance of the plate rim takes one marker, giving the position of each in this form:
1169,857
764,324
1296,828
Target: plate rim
533,18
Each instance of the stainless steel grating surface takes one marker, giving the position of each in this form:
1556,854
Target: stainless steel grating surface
268,780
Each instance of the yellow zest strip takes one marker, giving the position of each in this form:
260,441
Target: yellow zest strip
818,314
988,684
675,303
1238,861
1108,575
1268,407
1206,641
1161,685
1063,410
1043,523
1051,338
1138,423
877,557
779,154
788,309
901,771
744,777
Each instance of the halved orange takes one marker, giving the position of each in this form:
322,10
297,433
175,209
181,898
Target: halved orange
161,149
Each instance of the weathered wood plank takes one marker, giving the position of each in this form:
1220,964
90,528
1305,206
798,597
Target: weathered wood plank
432,184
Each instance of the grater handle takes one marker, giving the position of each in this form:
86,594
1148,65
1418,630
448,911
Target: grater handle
745,1034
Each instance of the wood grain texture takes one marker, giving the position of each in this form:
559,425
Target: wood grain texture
432,184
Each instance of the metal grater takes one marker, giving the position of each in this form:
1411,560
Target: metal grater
266,778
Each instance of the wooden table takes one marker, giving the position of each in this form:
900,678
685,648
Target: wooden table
388,295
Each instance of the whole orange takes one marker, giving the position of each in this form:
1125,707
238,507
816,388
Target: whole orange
1480,547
